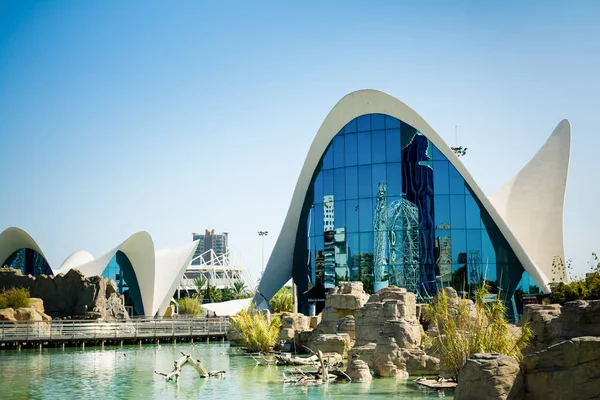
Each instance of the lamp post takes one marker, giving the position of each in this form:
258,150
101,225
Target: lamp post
262,234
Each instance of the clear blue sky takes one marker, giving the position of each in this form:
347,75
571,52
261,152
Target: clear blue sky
172,117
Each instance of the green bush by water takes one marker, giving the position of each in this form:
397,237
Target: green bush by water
190,306
14,298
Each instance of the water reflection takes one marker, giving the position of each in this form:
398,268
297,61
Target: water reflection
128,372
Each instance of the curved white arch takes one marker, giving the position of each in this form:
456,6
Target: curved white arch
13,239
532,205
279,267
78,257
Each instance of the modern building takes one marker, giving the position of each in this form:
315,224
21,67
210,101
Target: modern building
147,278
411,214
210,240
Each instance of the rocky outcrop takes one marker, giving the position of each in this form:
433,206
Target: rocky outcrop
544,324
567,370
359,371
7,314
342,301
347,325
331,343
488,376
70,295
580,318
30,314
388,335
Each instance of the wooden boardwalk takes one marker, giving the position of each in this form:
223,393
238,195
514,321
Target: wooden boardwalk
61,332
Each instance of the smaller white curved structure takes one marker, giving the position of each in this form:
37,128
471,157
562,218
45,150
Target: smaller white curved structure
157,274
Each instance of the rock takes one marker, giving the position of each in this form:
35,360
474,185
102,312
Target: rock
27,314
301,340
330,343
295,321
347,295
36,303
333,358
347,325
364,352
387,360
69,295
488,376
417,362
580,318
7,314
359,371
567,370
286,334
544,324
330,317
314,321
390,303
407,333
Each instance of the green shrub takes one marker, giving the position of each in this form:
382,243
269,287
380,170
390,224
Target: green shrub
460,333
587,288
14,298
256,332
190,306
282,301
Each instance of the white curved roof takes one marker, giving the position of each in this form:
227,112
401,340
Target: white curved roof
13,239
279,268
158,274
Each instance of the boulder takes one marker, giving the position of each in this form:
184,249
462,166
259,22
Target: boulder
359,371
347,296
417,362
364,352
7,314
314,321
387,360
347,325
330,343
286,334
407,333
27,314
488,376
580,318
544,323
36,303
567,370
294,321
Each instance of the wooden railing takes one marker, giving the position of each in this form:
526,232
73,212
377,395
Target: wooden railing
57,330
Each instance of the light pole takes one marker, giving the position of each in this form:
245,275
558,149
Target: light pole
262,234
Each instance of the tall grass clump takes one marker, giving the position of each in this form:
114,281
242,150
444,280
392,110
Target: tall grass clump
14,298
464,329
256,331
190,306
282,301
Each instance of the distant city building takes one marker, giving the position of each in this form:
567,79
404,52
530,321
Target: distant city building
210,240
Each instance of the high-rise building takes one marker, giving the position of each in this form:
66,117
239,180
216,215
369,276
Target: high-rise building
218,242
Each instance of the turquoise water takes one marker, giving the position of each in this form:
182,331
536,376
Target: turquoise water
128,372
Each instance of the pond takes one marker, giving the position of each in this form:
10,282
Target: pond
128,372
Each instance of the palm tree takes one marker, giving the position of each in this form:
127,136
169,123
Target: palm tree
239,289
200,282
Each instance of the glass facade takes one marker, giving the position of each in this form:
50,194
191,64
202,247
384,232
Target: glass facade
386,207
120,270
29,262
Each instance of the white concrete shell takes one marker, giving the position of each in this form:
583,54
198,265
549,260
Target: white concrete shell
532,202
157,274
279,267
13,239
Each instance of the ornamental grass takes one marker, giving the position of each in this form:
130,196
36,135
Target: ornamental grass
463,330
257,333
